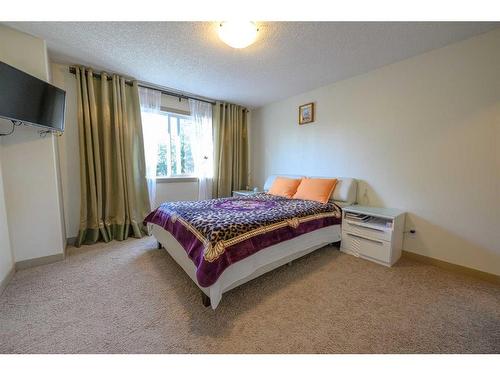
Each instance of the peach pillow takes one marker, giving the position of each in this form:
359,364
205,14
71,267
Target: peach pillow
284,187
316,189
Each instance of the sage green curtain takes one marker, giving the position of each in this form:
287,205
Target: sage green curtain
114,194
230,149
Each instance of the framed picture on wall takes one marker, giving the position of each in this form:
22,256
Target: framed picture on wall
306,113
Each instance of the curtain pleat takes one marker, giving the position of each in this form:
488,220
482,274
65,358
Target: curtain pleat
114,195
150,103
203,153
230,149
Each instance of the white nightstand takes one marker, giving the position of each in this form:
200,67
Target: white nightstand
244,193
379,238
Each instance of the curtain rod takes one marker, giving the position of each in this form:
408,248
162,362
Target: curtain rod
162,89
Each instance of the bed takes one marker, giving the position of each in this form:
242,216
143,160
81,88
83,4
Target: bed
223,243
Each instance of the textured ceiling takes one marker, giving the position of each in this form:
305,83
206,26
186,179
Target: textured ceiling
287,59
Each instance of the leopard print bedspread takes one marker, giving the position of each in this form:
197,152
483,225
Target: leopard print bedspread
219,225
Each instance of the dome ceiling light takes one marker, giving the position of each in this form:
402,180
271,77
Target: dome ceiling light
238,34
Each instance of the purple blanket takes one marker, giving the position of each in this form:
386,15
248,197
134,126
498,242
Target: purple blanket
219,232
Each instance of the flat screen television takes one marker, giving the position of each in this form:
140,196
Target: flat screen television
30,100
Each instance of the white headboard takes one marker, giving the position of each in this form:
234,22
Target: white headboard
345,192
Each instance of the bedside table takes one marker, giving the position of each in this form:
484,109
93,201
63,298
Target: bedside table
244,193
373,233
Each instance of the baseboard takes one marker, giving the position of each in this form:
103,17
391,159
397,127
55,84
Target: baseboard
453,267
6,280
28,263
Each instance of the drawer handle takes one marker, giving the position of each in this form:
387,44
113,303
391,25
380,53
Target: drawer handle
364,238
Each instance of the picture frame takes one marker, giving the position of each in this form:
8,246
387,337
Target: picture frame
306,113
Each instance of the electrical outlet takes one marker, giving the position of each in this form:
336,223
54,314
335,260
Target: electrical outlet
412,233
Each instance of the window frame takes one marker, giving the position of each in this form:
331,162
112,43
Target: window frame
187,177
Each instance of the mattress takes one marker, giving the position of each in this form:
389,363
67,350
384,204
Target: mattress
219,232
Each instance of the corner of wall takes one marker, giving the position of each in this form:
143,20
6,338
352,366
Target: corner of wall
6,255
33,210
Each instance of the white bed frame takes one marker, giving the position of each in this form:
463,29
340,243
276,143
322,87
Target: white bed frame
266,259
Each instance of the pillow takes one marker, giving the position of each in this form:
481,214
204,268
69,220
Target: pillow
284,187
316,189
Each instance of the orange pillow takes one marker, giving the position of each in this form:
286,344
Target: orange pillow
284,187
316,189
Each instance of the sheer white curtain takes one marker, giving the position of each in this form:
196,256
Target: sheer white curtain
151,127
201,114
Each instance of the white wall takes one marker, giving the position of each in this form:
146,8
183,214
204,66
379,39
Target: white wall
69,154
30,165
6,256
176,191
422,135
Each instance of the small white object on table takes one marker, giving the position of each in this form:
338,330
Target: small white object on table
244,193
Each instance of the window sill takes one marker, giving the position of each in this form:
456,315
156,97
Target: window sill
162,180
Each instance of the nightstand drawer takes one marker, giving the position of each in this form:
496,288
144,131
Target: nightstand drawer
373,233
376,249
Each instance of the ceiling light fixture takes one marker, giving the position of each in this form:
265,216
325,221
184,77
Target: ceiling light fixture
238,34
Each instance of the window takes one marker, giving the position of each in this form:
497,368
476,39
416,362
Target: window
175,154
174,135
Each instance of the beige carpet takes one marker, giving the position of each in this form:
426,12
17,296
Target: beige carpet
129,297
